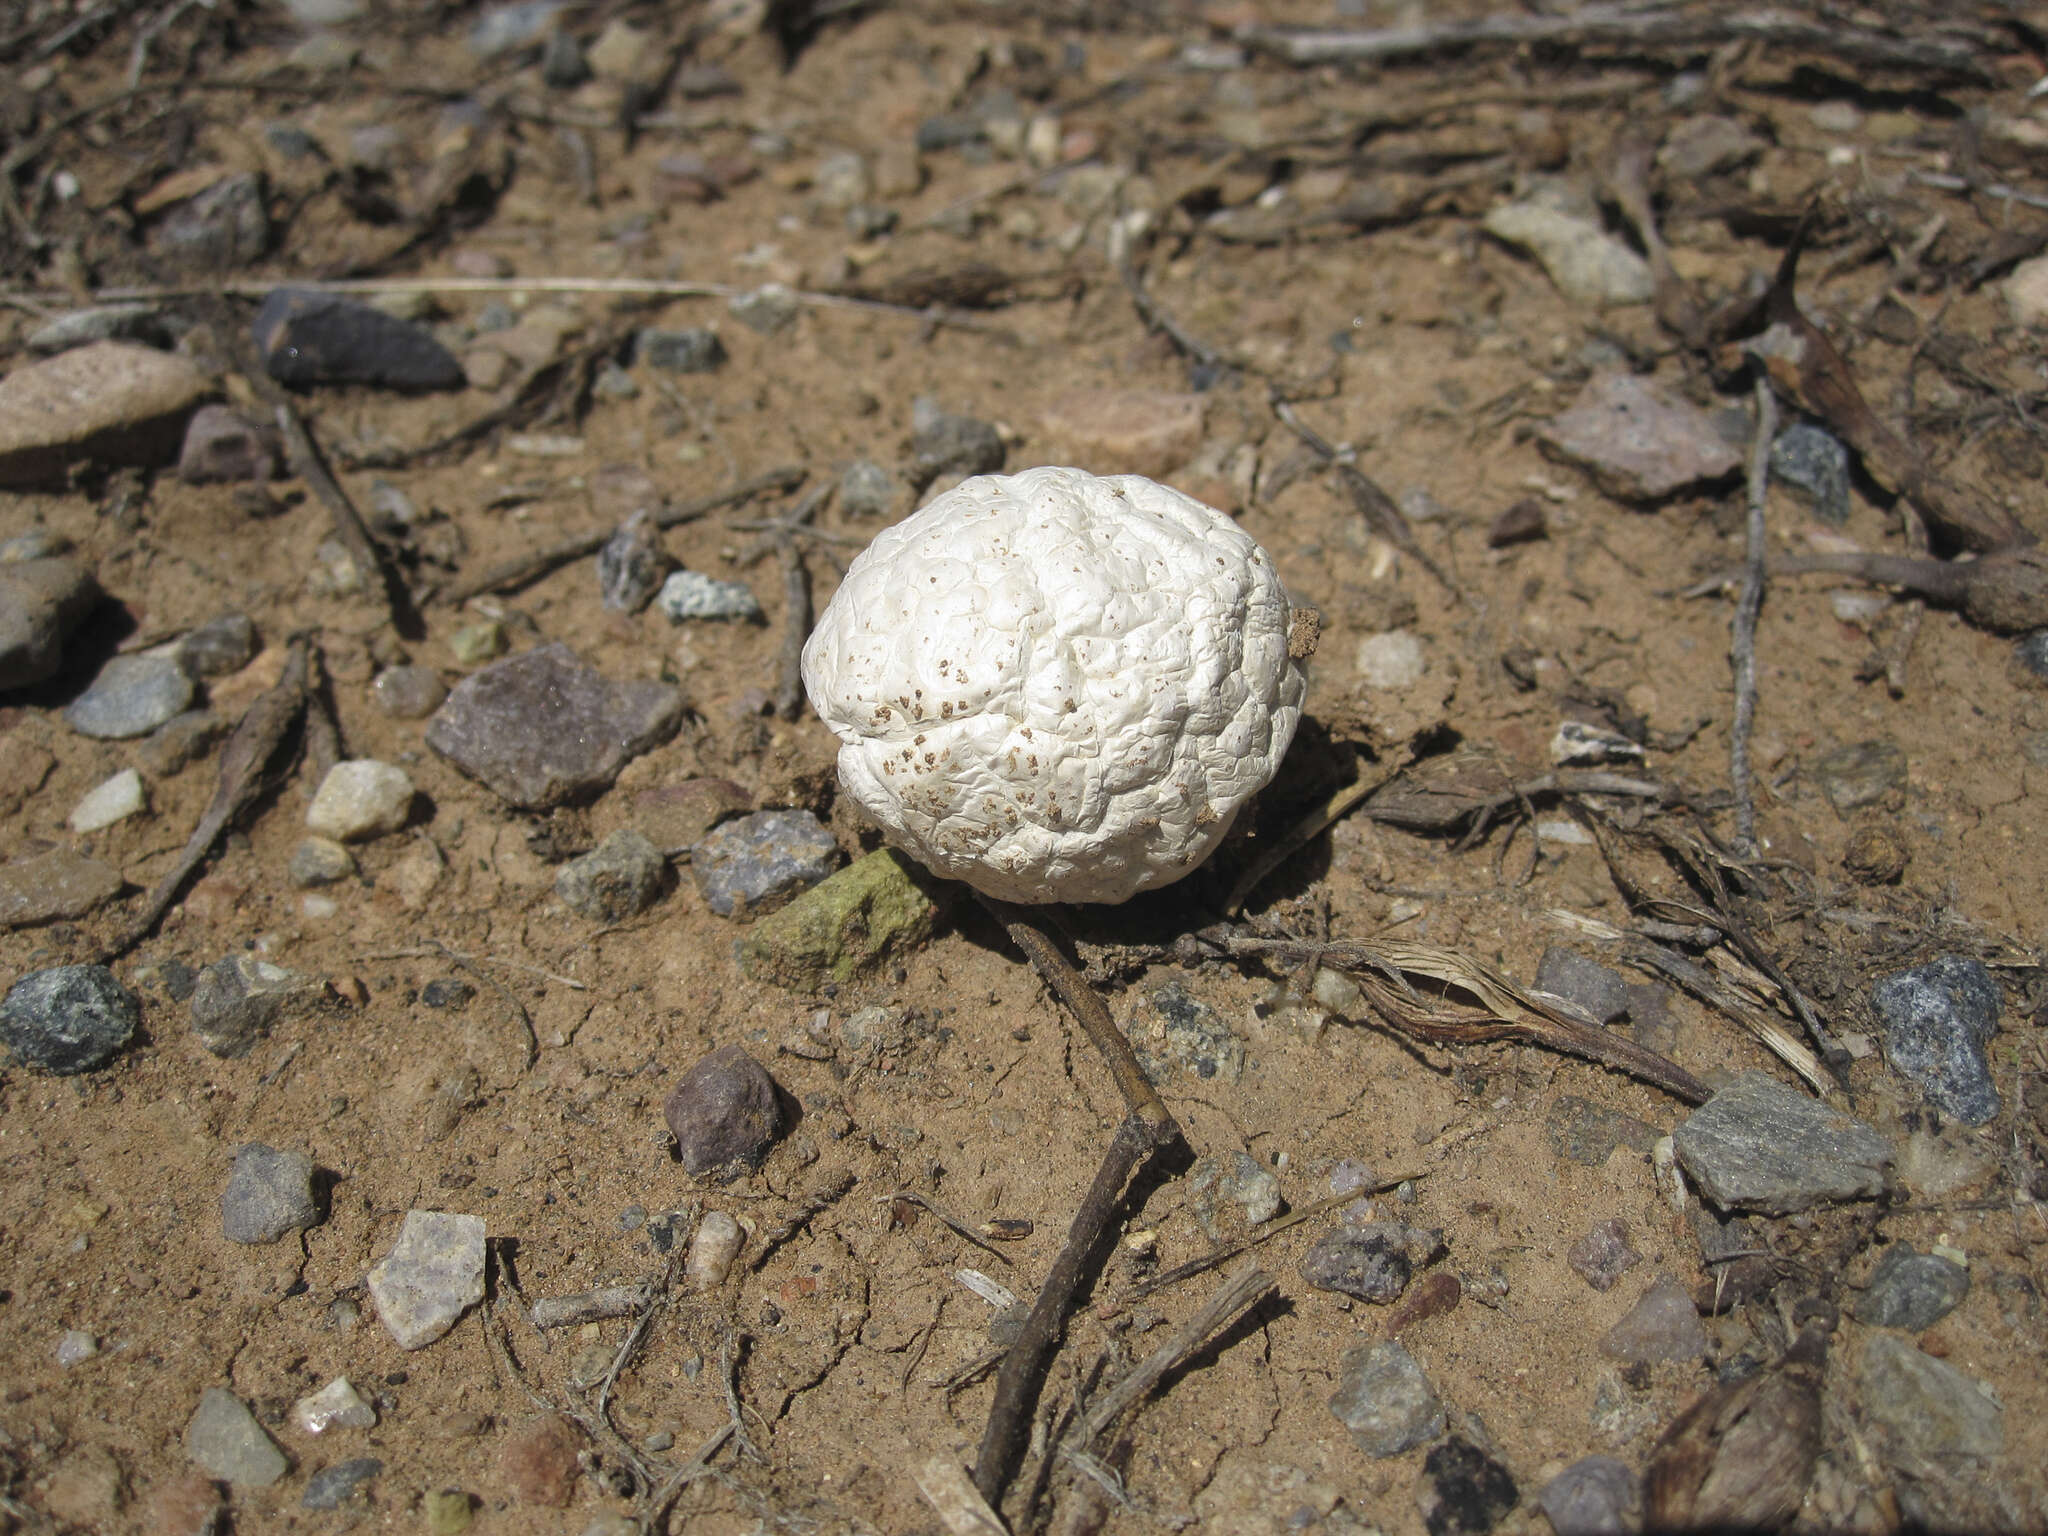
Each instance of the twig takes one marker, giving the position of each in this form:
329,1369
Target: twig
1242,1288
821,1196
587,1306
781,535
959,1227
1769,1032
256,740
348,525
518,572
729,1378
651,1302
1747,611
954,1498
591,1425
654,1512
461,963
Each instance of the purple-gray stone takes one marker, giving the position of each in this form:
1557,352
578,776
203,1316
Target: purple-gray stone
269,1194
756,863
723,1112
1373,1262
1603,1255
1664,1325
222,446
544,728
1938,1021
1594,1496
320,338
1385,1400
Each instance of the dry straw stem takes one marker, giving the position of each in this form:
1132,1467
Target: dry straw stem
1243,1288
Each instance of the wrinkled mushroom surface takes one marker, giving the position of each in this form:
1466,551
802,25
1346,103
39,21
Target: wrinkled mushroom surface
1058,686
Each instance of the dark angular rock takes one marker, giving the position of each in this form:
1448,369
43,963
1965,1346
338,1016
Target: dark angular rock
447,992
695,350
1594,1496
1762,1146
1463,1490
1385,1400
1938,1022
619,878
268,1194
945,444
41,603
1373,1262
544,728
238,998
225,227
332,1487
1912,1290
1603,1255
68,1019
1566,973
311,338
723,1112
631,566
1810,458
224,447
219,646
758,862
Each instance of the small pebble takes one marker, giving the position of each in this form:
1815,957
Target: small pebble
115,800
1594,1496
1912,1290
57,884
68,1019
1603,1255
867,490
474,644
620,878
361,798
131,696
696,350
447,1511
757,862
75,1347
723,1112
1662,1326
446,992
224,1439
1385,1400
1939,1020
713,1248
237,998
225,447
539,1462
319,861
335,1406
631,565
42,600
181,741
767,309
1374,1262
409,692
268,1195
433,1274
693,595
219,646
613,383
332,1487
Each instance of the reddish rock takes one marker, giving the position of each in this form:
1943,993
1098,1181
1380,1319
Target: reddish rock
1126,431
222,446
185,1506
723,1112
539,1462
1433,1297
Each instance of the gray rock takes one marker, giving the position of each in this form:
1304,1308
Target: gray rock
841,180
68,1019
56,885
1762,1146
867,490
332,1487
693,595
1588,265
1861,774
1701,146
562,64
695,350
219,646
41,603
2030,653
131,696
1463,1490
309,338
142,323
871,221
723,1113
222,228
1594,1496
318,861
767,309
1664,1325
1925,1406
1385,1400
1601,991
502,28
544,728
107,403
1588,1133
224,1440
182,740
756,863
1939,1019
433,1274
1373,1262
1816,462
1639,443
1239,1178
409,692
1171,1030
945,444
225,447
268,1194
631,565
619,878
1912,1290
236,999
1603,1255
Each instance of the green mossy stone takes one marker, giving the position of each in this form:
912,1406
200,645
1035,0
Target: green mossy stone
845,927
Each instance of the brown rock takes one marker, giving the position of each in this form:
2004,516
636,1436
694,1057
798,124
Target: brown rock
87,1489
1126,431
1434,1296
53,885
1875,855
41,602
222,446
539,1462
1639,443
723,1112
23,767
185,1506
111,402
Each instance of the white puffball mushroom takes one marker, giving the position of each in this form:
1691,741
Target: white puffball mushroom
1058,686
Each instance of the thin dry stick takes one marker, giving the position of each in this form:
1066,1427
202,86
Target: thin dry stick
654,1513
308,465
587,1306
1242,1288
521,570
780,535
461,963
262,730
1746,613
959,1227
